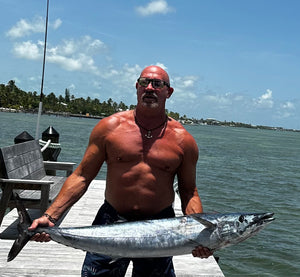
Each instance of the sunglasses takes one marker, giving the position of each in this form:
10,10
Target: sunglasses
156,83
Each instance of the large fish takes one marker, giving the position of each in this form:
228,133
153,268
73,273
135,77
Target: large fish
150,238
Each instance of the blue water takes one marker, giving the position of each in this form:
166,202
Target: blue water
238,170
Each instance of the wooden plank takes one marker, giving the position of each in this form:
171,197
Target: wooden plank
23,161
53,259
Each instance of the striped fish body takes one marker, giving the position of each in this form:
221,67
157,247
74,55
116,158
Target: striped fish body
150,238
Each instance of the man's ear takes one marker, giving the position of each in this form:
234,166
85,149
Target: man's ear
170,91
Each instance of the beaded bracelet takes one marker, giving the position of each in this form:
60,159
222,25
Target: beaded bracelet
51,219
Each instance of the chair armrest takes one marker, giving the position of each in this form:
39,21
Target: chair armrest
25,181
66,166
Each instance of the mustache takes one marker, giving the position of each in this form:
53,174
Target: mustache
149,94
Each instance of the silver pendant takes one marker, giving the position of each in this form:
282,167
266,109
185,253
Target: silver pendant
148,135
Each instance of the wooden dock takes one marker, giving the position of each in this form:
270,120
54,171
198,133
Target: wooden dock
53,259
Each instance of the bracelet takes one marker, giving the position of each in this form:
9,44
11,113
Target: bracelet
51,219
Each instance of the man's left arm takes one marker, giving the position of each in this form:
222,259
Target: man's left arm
190,200
186,175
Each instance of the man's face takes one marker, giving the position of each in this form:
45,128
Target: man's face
153,87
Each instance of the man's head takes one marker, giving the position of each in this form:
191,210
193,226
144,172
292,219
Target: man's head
153,87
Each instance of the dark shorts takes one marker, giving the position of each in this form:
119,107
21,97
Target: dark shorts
100,265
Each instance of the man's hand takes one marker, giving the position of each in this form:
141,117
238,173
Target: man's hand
202,252
42,222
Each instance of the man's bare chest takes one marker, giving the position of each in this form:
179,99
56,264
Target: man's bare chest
163,152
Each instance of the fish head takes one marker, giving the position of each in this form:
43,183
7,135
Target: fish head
235,228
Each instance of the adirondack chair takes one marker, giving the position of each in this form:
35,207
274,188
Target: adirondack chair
22,169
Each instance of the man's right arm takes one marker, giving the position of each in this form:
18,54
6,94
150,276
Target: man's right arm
77,183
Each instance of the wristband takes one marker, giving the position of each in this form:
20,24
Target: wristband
51,219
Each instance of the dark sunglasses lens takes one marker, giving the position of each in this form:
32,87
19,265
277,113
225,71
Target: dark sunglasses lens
143,82
157,83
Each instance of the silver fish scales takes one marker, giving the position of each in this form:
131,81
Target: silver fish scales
151,238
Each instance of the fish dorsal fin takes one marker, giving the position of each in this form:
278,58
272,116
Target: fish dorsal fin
205,222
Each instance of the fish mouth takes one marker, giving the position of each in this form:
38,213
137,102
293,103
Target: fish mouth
268,217
264,218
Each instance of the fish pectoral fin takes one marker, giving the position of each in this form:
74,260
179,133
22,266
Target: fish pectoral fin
203,221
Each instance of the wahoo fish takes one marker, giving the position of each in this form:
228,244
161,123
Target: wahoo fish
150,238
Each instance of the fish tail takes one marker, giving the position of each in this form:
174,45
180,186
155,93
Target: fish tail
24,236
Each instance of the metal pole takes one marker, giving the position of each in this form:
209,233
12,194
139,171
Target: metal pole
43,73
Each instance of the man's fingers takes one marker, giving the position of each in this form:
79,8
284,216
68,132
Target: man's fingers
40,237
34,225
43,237
202,252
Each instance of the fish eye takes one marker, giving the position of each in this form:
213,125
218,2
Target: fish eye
241,219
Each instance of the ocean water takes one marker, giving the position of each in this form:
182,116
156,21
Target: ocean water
239,170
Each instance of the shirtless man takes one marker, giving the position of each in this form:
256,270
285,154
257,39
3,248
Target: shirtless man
144,151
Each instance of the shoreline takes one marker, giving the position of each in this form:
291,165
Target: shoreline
205,122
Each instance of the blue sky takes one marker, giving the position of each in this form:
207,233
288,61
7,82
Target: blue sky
230,60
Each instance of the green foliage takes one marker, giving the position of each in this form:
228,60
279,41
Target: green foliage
12,97
174,115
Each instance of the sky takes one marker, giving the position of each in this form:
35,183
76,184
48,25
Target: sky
229,60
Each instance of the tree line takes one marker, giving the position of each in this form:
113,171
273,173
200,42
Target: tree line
14,98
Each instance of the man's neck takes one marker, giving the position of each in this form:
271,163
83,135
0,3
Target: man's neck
150,118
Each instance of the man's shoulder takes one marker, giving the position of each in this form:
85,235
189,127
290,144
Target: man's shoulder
115,119
174,122
177,127
182,135
110,123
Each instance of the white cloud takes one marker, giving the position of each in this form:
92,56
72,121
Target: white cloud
120,82
288,105
184,89
185,82
26,27
85,44
283,114
162,66
265,100
27,50
154,7
69,64
286,110
71,55
127,76
56,24
219,99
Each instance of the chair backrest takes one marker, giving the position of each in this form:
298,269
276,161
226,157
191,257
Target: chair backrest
22,161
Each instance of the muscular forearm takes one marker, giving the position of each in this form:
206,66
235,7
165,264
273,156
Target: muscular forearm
190,202
193,206
72,190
